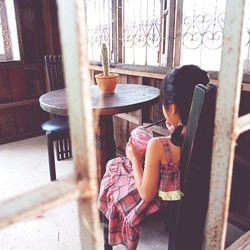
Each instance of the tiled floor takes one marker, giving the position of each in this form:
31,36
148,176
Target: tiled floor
24,166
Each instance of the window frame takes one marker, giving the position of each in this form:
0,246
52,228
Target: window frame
8,56
171,50
5,26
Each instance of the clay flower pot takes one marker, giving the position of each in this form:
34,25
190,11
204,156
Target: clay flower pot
107,84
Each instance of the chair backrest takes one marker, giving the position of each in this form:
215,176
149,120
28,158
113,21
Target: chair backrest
195,167
54,72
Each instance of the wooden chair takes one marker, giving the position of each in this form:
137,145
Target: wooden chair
57,128
186,228
185,219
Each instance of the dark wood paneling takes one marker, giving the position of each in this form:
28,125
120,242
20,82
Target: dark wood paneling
32,30
17,84
34,81
39,116
7,124
24,121
120,133
22,82
5,93
51,28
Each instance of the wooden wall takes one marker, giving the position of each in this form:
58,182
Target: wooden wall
22,82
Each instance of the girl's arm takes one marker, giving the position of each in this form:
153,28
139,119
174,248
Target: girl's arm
147,181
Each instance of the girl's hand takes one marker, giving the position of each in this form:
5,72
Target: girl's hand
133,154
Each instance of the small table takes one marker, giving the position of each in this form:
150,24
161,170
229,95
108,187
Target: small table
127,98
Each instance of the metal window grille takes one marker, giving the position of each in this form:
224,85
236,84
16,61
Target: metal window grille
132,29
203,28
161,32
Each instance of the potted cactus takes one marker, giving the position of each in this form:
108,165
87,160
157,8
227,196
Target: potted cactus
107,81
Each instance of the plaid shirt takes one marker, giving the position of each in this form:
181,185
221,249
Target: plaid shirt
120,202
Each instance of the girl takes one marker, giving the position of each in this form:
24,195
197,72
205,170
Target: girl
130,192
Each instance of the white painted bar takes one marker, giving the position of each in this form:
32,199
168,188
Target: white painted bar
37,201
72,23
243,124
225,124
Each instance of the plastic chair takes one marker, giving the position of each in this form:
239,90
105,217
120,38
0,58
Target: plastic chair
57,128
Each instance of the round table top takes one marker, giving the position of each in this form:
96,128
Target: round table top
127,98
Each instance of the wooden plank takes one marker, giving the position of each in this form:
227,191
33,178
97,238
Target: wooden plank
23,120
19,103
32,28
5,93
158,129
50,20
19,90
7,124
130,72
120,133
129,118
246,87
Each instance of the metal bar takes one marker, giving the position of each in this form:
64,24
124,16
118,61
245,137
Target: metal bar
37,201
72,22
171,33
227,106
243,124
178,33
120,21
114,31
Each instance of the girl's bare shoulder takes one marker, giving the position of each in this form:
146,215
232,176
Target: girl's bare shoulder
156,146
159,140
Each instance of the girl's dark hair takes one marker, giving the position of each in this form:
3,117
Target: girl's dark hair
178,87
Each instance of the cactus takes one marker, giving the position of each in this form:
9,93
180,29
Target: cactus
105,59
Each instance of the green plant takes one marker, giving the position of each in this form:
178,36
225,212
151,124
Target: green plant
105,59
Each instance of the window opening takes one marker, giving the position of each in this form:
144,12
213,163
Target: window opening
9,47
203,27
142,32
99,26
147,32
136,25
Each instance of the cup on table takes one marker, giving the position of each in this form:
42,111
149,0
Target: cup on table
140,137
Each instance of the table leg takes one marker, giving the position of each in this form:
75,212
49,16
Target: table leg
105,143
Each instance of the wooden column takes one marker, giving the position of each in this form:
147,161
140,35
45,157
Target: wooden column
105,146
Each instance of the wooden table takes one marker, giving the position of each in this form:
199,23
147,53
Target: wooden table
127,98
